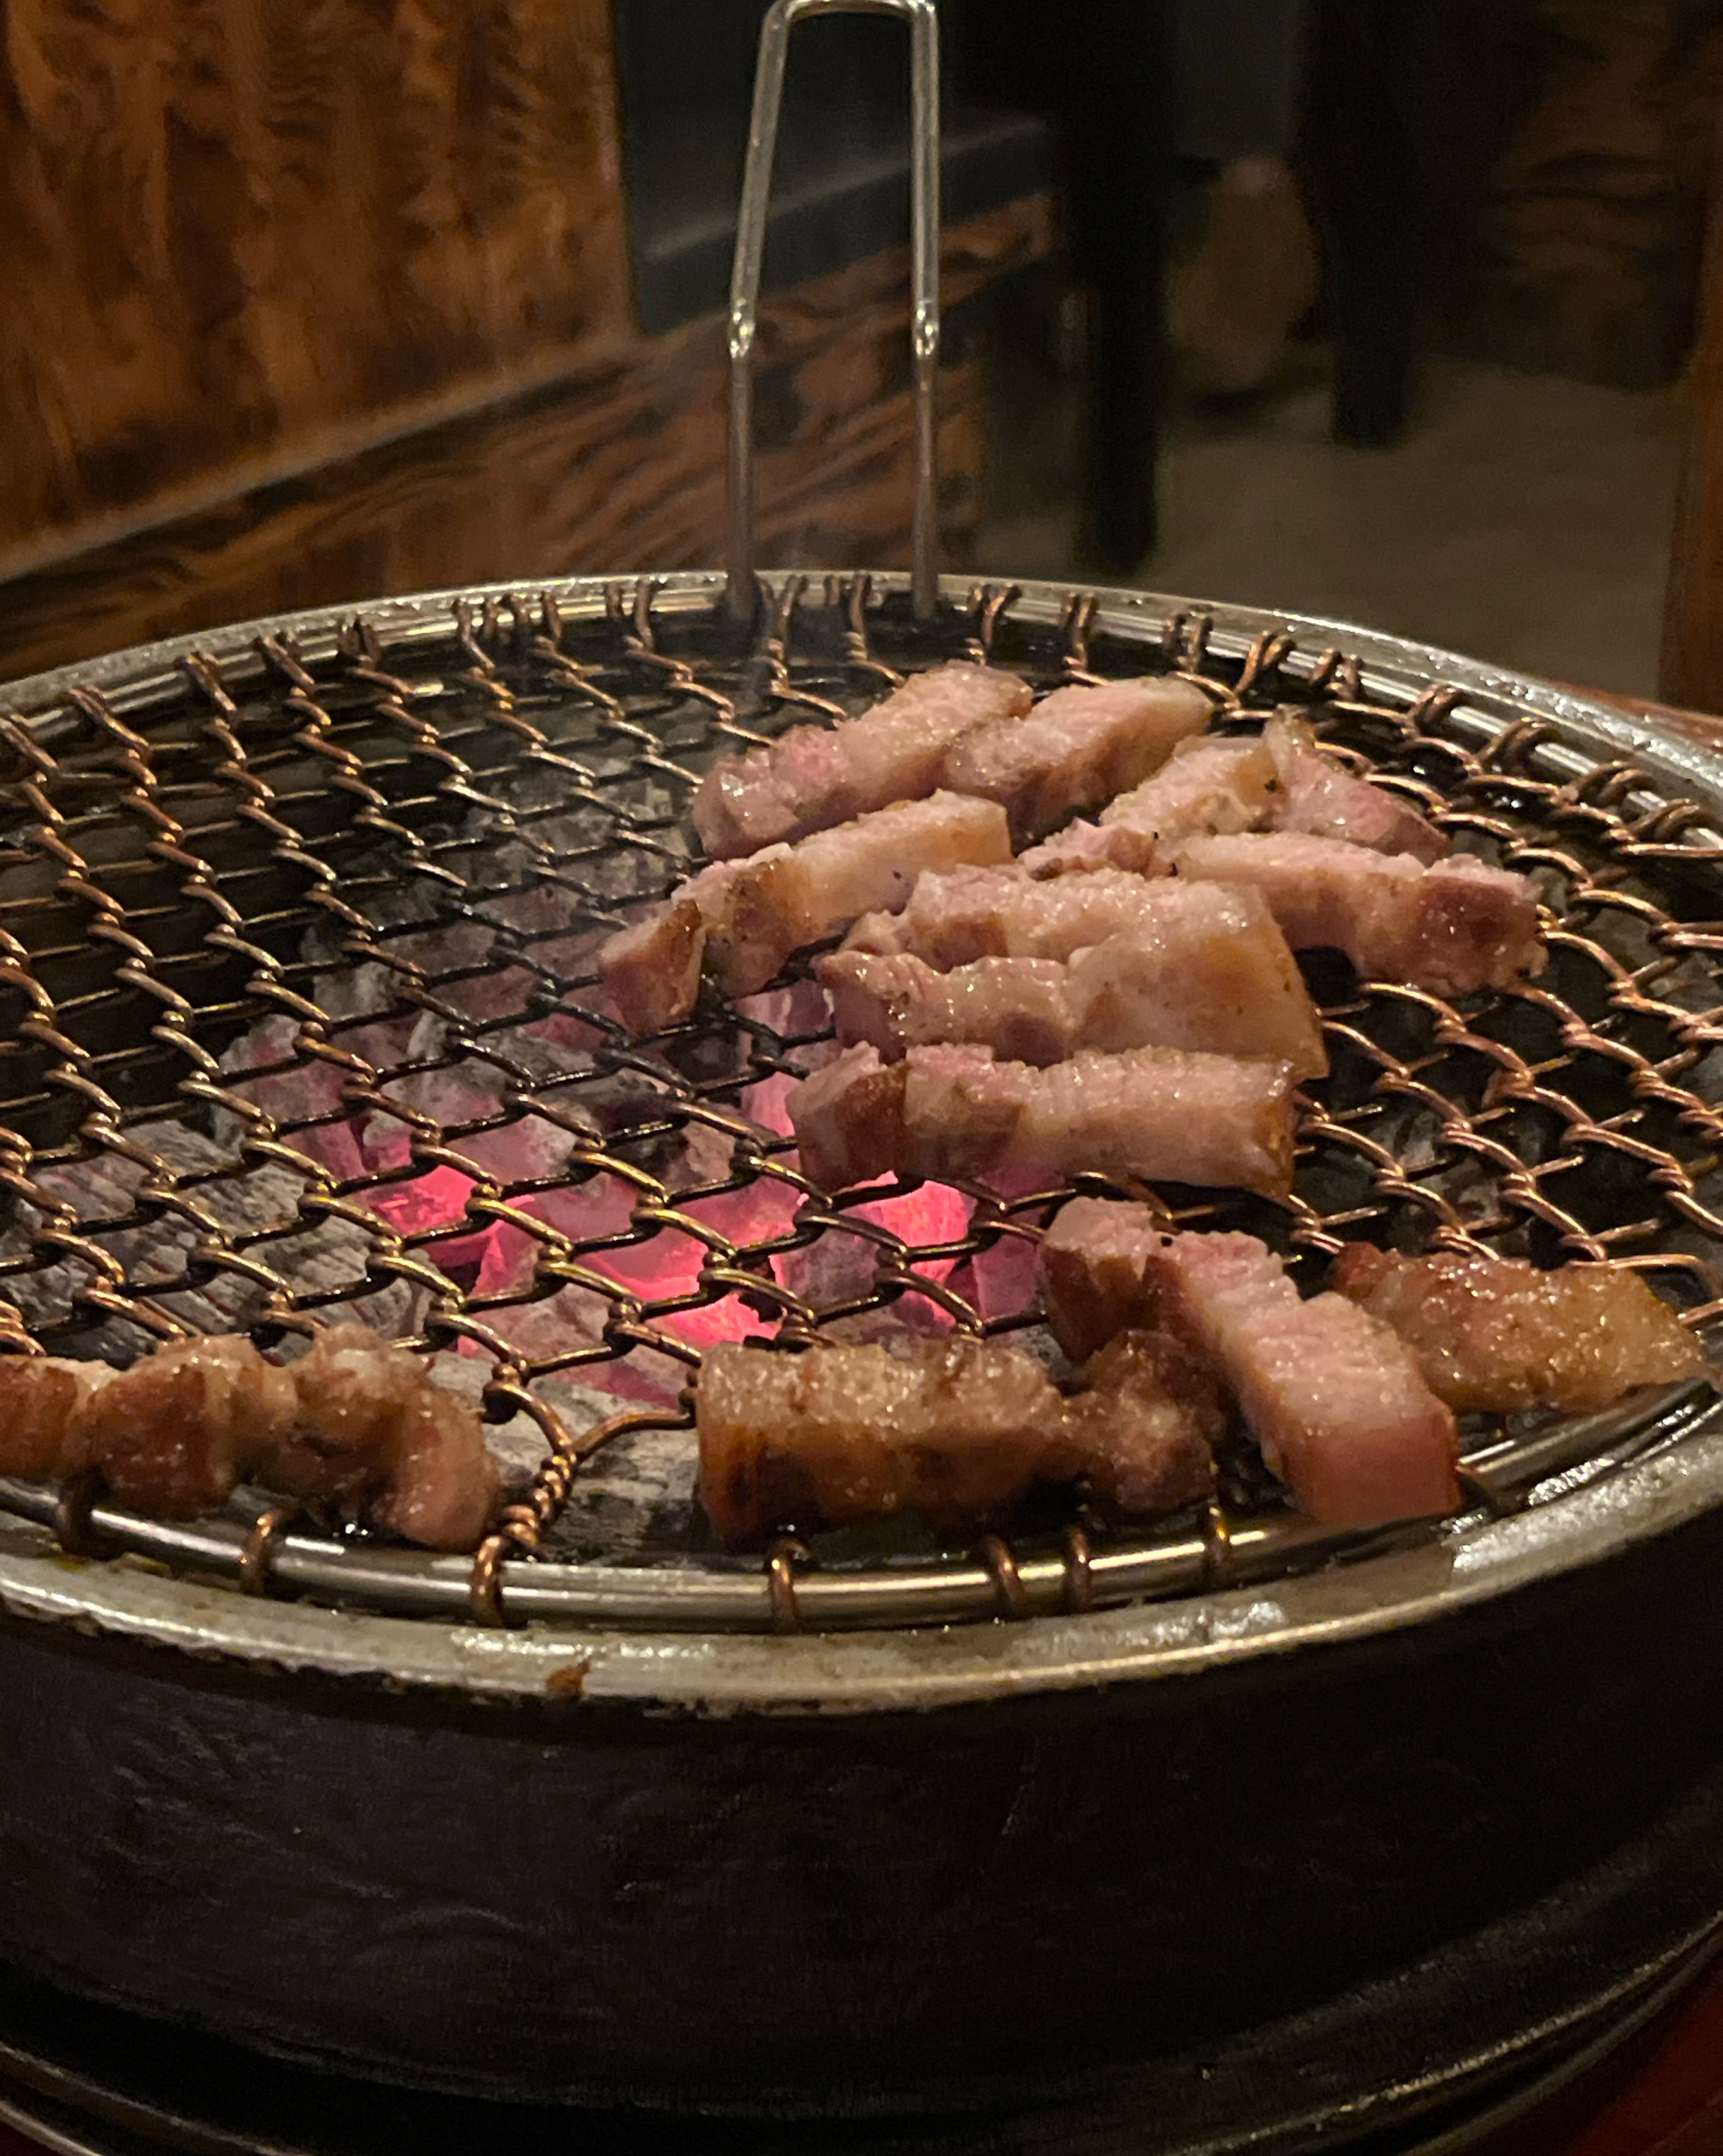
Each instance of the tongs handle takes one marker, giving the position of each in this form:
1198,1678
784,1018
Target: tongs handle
781,17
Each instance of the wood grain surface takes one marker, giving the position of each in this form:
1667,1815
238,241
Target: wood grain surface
239,235
619,466
1571,144
1691,668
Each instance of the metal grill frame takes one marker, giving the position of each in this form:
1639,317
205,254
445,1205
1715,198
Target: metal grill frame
1603,772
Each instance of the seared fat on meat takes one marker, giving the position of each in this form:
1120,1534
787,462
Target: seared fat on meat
1165,1114
1020,1007
1497,1335
1340,1410
956,1430
967,914
814,776
172,1435
1317,795
746,917
1078,747
1282,781
1212,971
41,1403
1452,927
651,971
1094,1263
1142,1429
375,1437
354,1424
1206,786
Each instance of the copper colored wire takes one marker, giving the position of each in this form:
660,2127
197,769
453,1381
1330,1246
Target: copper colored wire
1001,1562
259,1552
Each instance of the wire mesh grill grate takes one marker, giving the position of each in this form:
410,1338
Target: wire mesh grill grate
299,1017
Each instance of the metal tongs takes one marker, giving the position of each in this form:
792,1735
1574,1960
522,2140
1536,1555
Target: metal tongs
921,15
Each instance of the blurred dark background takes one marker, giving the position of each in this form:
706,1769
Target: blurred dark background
1386,310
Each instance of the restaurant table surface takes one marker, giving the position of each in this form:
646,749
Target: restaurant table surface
1661,2093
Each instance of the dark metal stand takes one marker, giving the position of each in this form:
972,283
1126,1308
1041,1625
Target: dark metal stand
1112,124
1366,167
1097,69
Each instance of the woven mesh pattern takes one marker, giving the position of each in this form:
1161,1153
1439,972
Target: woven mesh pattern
300,1014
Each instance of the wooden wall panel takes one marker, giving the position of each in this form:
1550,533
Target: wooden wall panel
1573,144
238,237
618,467
1691,668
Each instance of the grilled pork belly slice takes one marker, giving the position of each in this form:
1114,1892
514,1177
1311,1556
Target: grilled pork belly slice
1205,786
1340,1410
973,913
1316,795
1452,927
956,1430
1338,1406
1214,973
1497,1335
1141,1431
1078,747
354,1424
1211,972
1165,1114
1094,1264
1022,1008
374,1437
1282,782
814,776
759,910
651,971
746,917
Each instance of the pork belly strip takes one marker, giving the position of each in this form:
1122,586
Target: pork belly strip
958,1431
971,913
1451,928
1215,974
1281,781
746,917
1165,1114
651,971
1205,786
1078,747
1340,1410
1318,795
1094,1265
814,776
354,1425
1022,1008
1143,1428
1497,1335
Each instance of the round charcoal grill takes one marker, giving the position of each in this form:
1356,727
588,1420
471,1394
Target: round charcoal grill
304,1020
1229,1834
300,922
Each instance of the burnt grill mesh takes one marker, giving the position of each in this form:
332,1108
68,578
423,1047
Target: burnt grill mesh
298,1017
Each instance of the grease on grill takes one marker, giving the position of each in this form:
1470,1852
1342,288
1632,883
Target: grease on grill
299,1019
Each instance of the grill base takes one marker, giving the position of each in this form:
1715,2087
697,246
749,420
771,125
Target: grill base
994,1904
1433,2058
